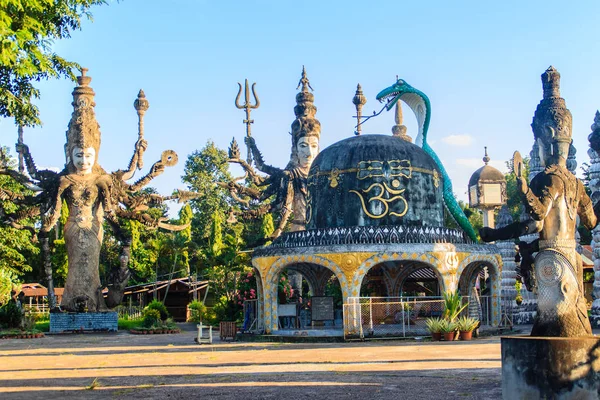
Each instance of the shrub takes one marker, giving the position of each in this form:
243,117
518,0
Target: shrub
197,311
11,315
151,317
160,307
226,310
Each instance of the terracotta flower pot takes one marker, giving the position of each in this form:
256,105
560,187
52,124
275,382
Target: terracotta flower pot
449,336
466,335
436,336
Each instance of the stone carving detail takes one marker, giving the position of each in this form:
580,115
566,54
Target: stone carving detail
368,235
92,196
553,199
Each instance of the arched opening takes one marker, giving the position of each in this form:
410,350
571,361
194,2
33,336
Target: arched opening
398,296
419,280
317,306
376,283
475,286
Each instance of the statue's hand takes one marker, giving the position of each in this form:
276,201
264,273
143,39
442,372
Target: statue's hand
157,168
21,148
141,144
486,234
522,185
249,140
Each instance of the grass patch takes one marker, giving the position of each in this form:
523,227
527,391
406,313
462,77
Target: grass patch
127,324
43,326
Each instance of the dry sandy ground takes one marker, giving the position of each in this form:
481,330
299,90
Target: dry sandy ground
96,366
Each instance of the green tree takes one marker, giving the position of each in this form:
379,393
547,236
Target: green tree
18,251
28,28
202,169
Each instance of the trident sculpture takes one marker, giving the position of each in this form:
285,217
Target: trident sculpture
247,106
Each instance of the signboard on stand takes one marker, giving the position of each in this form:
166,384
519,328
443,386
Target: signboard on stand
322,308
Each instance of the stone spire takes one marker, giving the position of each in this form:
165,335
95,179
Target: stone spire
399,130
594,176
509,273
552,121
305,123
83,130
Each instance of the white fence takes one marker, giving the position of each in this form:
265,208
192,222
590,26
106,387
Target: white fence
366,317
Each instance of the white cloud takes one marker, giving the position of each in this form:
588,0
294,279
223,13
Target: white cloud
458,140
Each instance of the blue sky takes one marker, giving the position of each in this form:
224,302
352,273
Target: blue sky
479,63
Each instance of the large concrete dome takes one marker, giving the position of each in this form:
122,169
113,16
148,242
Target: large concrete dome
374,180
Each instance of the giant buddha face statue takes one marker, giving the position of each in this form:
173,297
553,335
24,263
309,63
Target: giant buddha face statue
83,159
307,149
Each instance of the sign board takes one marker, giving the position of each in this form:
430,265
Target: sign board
492,193
322,308
286,310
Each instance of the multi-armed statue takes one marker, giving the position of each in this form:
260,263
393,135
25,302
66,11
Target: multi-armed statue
92,195
554,199
287,185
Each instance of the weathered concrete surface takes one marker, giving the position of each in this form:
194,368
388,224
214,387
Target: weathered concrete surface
550,368
172,366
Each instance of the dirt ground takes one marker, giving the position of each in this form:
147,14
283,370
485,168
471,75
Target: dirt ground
101,366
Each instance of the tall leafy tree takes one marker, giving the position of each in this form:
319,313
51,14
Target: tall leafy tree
18,252
202,169
28,28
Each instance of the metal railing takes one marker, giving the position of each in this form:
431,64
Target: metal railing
129,311
370,317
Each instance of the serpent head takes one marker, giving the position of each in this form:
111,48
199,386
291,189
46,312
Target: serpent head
393,93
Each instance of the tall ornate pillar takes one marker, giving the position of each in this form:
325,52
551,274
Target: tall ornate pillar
595,188
509,273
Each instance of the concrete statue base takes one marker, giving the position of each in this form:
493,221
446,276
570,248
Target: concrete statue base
550,368
78,322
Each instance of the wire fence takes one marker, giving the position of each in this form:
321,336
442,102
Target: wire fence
370,317
129,312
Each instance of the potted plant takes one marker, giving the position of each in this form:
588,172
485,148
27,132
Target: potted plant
448,329
435,327
466,325
453,305
518,297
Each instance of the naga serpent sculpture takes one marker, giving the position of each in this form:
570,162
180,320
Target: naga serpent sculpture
420,105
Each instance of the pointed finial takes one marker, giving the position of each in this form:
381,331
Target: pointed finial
304,81
486,158
551,83
141,104
399,130
359,100
83,79
596,124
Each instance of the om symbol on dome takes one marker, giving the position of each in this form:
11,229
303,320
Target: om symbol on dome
384,198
